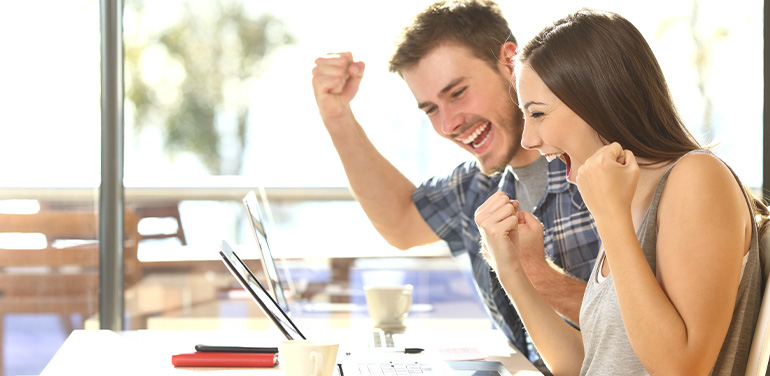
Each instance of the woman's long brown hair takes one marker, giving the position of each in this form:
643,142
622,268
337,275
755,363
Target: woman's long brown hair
601,67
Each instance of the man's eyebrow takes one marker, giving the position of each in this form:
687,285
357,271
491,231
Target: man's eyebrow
451,85
443,91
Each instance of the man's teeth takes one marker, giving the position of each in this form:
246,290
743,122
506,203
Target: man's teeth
550,157
476,143
475,134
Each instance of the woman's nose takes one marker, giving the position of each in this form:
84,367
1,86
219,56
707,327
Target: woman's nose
530,139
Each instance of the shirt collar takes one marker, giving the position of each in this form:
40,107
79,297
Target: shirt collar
556,181
557,177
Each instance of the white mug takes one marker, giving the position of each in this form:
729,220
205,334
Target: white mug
388,305
308,357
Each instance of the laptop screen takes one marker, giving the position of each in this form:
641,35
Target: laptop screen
258,292
254,213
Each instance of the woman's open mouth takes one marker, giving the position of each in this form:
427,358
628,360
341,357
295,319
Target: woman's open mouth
564,158
551,157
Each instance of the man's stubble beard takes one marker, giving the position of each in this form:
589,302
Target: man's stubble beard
515,130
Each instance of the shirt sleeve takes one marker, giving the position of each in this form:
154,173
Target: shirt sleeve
445,202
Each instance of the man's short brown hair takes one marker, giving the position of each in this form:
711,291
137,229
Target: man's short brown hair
478,25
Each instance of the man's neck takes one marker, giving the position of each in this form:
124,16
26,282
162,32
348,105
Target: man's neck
524,158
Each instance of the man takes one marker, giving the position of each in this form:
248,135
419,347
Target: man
456,59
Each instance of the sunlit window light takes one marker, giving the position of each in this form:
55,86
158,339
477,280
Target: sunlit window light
66,243
164,226
18,240
19,206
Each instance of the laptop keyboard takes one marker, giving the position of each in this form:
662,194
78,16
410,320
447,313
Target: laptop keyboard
393,368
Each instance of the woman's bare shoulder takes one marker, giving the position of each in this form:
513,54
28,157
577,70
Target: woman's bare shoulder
705,182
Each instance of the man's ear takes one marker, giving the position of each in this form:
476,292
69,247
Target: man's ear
507,54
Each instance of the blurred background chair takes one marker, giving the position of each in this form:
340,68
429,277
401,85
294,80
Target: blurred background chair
49,263
161,210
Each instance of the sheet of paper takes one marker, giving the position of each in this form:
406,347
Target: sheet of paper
459,353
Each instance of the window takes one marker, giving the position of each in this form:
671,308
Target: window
49,144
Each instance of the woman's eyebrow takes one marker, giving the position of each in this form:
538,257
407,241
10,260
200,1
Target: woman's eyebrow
526,106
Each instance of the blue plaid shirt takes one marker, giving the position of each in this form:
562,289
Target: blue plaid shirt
448,204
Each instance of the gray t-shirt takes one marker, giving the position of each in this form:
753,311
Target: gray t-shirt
531,183
607,348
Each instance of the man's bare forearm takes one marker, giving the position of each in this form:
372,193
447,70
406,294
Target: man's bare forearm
383,191
563,292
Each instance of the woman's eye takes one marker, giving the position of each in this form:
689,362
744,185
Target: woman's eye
536,115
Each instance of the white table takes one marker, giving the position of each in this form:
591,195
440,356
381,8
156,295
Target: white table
148,352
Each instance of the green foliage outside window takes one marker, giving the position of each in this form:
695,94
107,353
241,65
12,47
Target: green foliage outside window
191,76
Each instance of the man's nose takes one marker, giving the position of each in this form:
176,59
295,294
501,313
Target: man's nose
451,122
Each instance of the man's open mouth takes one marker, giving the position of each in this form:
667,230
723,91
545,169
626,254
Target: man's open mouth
478,137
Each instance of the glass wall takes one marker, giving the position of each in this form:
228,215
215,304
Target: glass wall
219,102
203,102
50,170
258,116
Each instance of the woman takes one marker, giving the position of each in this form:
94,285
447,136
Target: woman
676,288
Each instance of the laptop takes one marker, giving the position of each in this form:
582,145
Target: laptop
358,365
258,212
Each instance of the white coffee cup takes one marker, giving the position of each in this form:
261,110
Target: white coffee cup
308,357
388,305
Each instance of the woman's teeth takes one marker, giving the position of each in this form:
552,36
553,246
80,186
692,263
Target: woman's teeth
550,157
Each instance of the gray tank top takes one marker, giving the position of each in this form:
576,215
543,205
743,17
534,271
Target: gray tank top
607,348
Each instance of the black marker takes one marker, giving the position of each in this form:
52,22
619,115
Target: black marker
408,350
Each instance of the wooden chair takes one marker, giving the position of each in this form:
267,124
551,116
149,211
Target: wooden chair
168,210
61,275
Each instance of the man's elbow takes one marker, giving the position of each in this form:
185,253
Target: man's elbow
399,242
406,234
402,239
